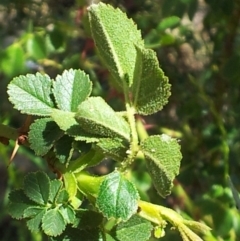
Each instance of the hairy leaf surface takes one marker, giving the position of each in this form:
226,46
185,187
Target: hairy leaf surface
135,229
71,88
30,94
42,135
152,90
97,117
117,197
115,37
163,158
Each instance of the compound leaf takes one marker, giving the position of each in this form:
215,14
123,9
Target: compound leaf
31,94
70,89
115,37
163,158
53,223
117,197
37,187
42,135
97,117
152,90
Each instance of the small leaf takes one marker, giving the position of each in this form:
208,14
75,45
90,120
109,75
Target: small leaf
113,147
152,90
87,219
169,22
37,187
117,197
18,203
34,224
70,89
115,36
67,122
53,223
32,211
63,149
97,117
31,94
68,214
74,234
135,229
36,46
62,197
42,135
163,158
55,187
70,183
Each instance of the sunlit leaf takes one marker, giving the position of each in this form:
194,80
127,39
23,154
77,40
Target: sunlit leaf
71,88
117,197
135,229
163,158
152,90
97,117
30,94
115,37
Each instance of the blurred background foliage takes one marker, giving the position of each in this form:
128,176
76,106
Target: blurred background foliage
198,46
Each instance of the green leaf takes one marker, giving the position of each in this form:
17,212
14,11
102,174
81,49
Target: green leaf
68,214
18,203
30,94
163,158
152,90
34,224
97,117
74,234
135,229
67,122
62,197
64,149
37,187
117,197
70,89
113,147
13,60
87,219
70,183
169,22
115,37
55,187
32,211
42,135
53,223
36,46
91,158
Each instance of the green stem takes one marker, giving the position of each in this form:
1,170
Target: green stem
8,132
